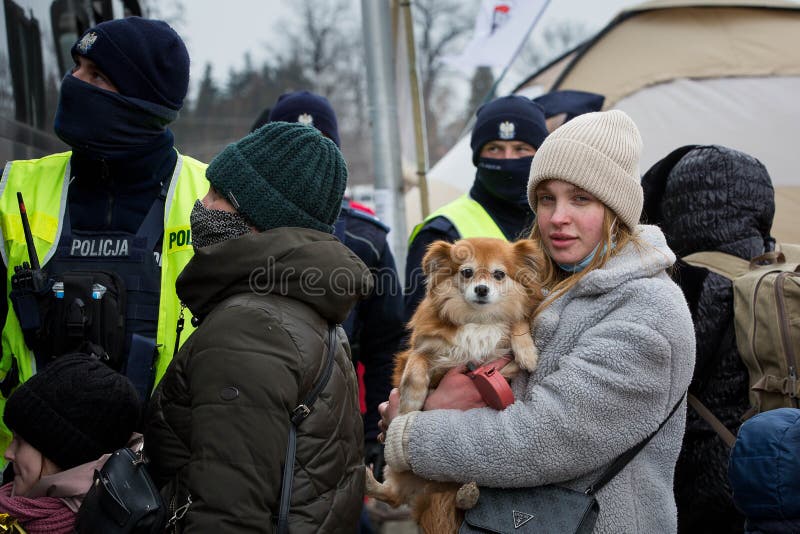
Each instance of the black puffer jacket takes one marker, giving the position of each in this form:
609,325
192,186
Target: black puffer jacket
218,422
710,198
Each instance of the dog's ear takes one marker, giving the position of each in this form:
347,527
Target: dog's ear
530,261
437,256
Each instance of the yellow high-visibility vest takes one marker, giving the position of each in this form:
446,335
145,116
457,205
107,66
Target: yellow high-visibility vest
469,218
43,183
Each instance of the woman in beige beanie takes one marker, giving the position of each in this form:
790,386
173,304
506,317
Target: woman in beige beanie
616,349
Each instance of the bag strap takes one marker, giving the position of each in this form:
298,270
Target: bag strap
152,227
297,416
723,432
628,455
727,265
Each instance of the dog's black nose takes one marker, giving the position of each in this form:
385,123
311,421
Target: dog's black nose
481,290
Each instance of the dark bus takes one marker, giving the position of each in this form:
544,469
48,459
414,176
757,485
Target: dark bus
35,41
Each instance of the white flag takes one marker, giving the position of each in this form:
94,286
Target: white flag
500,28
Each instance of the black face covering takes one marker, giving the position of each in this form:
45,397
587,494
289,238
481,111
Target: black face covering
106,125
210,227
506,179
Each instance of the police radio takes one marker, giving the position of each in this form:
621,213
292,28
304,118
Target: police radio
28,284
38,277
29,281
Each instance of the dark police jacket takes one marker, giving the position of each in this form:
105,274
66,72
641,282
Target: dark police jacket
375,326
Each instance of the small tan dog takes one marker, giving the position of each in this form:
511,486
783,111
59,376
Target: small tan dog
480,295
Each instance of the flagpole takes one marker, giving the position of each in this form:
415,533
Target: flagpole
383,112
417,110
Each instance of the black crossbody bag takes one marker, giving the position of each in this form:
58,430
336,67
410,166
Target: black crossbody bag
297,416
546,509
122,499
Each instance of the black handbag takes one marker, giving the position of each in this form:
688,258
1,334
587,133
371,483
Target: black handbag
538,510
122,499
546,509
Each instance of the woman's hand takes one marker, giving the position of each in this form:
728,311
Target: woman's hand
456,391
388,411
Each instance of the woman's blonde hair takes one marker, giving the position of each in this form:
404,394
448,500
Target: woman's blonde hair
556,281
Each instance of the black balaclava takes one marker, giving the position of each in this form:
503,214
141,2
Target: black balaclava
506,179
108,126
501,188
147,62
501,184
122,150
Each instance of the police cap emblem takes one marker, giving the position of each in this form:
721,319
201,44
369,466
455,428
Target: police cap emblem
507,130
86,42
306,119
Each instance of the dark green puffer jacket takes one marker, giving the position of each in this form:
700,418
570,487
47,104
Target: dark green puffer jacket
218,422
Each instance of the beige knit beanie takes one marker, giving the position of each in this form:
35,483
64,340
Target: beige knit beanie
598,152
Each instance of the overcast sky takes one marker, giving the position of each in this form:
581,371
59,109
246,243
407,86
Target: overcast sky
250,25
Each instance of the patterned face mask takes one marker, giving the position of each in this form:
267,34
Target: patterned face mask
210,227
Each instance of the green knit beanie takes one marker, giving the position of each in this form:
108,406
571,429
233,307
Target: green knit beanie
283,174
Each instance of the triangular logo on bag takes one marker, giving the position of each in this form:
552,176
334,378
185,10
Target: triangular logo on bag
520,518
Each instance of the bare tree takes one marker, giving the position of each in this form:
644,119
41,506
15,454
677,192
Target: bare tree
173,12
547,45
482,83
324,41
440,26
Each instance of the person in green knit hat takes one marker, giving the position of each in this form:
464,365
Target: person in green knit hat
266,281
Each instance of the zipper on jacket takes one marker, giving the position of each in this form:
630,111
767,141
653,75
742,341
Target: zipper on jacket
783,320
176,512
107,180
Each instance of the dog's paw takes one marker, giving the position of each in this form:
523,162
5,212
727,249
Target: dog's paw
525,353
371,485
528,359
467,496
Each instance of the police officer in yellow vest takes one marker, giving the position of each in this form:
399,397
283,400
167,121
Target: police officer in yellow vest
505,137
109,219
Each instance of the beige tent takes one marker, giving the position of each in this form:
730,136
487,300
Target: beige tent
722,72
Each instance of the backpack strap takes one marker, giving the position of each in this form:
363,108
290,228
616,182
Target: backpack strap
297,416
721,430
727,265
731,267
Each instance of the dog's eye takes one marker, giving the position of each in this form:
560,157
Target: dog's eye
467,273
499,275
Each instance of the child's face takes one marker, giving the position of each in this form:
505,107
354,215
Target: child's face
29,465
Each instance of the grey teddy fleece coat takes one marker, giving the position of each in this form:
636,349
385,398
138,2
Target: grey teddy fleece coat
616,355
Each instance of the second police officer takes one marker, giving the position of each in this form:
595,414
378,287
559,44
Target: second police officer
506,135
375,326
